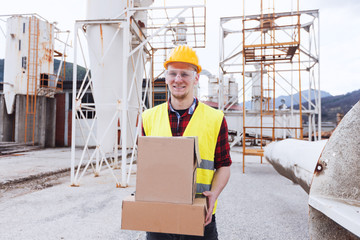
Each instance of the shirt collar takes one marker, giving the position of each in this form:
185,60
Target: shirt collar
191,108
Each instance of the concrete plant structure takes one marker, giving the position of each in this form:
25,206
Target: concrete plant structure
27,104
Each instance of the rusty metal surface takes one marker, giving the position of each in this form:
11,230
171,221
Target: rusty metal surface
335,189
322,227
343,213
295,159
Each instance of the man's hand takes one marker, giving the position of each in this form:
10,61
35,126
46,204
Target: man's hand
221,177
211,199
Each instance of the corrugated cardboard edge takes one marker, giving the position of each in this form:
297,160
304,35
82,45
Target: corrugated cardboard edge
130,199
198,161
197,151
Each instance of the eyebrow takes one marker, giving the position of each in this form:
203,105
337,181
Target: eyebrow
178,69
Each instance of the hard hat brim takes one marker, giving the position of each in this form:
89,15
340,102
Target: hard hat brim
198,67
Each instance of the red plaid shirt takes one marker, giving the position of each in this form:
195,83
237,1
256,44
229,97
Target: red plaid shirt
178,126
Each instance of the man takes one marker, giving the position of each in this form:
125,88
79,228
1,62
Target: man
184,115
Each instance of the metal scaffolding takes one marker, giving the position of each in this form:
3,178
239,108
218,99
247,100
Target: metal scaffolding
145,45
177,27
274,54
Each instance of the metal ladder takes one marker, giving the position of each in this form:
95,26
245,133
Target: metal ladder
32,79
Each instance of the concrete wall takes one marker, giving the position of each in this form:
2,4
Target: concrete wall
50,122
45,121
12,127
7,123
60,120
20,113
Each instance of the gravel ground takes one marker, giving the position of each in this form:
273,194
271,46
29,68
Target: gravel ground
12,190
259,204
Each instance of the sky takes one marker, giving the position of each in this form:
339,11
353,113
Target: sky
339,32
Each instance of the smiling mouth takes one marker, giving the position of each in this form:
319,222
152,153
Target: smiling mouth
178,87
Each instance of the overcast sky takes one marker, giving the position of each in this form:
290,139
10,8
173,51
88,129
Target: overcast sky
339,32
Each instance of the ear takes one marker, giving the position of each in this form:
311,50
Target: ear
197,77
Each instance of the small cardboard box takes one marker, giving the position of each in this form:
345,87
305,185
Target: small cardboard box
166,169
164,217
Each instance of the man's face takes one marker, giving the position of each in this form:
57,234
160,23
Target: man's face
181,79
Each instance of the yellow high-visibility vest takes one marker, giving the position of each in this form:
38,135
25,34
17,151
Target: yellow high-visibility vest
205,124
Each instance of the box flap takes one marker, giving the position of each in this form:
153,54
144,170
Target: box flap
197,151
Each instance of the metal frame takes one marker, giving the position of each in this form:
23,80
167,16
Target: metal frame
195,21
35,89
149,47
262,43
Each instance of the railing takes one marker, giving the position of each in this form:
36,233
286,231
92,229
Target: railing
50,84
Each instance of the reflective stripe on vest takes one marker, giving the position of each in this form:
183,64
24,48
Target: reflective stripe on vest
205,123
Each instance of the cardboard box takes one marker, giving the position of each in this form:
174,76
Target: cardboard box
164,217
166,169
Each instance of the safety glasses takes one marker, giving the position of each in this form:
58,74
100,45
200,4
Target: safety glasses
182,73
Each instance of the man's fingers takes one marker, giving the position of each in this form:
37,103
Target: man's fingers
210,201
207,221
208,216
206,193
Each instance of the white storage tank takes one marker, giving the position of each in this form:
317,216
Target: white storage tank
213,89
226,88
234,90
28,54
256,91
108,75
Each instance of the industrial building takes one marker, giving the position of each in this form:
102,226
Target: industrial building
30,82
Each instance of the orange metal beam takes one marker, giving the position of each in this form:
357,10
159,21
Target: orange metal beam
271,44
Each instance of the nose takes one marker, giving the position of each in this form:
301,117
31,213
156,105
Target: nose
178,75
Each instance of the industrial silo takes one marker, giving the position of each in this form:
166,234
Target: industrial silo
28,54
29,60
213,89
106,52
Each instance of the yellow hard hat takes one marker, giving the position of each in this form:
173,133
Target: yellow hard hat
183,53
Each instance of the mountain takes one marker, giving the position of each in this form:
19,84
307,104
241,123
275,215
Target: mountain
304,96
332,105
68,69
81,71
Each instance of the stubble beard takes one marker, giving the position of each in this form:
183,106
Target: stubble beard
179,96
